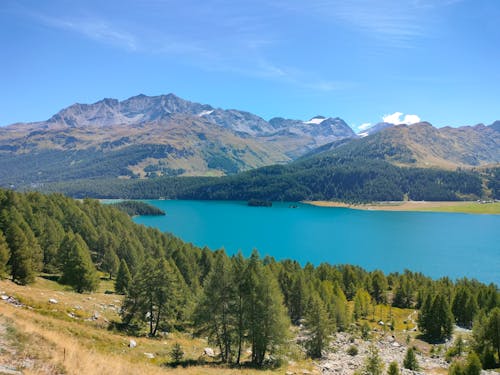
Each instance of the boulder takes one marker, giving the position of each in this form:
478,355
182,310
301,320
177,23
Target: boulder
149,355
209,352
53,301
132,344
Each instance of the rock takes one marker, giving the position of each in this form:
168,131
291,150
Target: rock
396,344
209,352
289,373
4,297
381,323
132,344
96,315
53,301
149,355
9,371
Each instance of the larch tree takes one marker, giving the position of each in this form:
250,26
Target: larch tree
153,296
216,311
265,315
123,278
110,262
319,326
361,304
21,261
78,270
4,256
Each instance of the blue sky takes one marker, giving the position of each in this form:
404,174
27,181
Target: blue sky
360,59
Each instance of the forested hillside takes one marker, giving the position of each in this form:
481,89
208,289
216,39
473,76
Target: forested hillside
240,304
322,177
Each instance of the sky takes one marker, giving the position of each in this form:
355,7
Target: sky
361,60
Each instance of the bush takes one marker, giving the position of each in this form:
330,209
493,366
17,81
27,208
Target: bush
352,350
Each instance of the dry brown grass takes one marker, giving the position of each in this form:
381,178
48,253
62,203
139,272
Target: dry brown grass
81,346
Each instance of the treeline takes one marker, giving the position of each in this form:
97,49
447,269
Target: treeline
240,304
134,208
322,177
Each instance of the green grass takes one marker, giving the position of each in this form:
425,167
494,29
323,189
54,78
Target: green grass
468,208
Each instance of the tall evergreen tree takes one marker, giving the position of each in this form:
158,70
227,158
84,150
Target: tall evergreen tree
436,318
464,307
319,327
123,278
378,286
4,256
110,262
361,304
239,265
21,261
265,316
216,312
78,270
153,296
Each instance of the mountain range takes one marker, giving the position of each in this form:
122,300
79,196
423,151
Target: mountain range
150,136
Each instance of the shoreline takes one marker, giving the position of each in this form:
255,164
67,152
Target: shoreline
470,207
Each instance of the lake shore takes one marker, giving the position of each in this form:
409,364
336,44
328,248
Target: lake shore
459,207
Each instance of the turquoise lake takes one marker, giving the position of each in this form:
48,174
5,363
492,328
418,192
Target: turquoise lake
437,244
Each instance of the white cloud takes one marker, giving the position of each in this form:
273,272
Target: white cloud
365,126
396,119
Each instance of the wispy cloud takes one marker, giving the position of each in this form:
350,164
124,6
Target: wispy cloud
217,39
96,29
393,23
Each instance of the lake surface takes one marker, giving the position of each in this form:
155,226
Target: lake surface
437,244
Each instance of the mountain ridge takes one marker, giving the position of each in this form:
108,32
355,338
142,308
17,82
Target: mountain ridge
196,139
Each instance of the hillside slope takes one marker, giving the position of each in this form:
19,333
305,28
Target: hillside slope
423,145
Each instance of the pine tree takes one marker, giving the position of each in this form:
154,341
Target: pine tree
123,278
216,312
378,286
319,325
4,256
436,318
78,270
298,298
176,354
410,361
153,296
239,280
265,316
21,262
464,307
50,241
110,262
